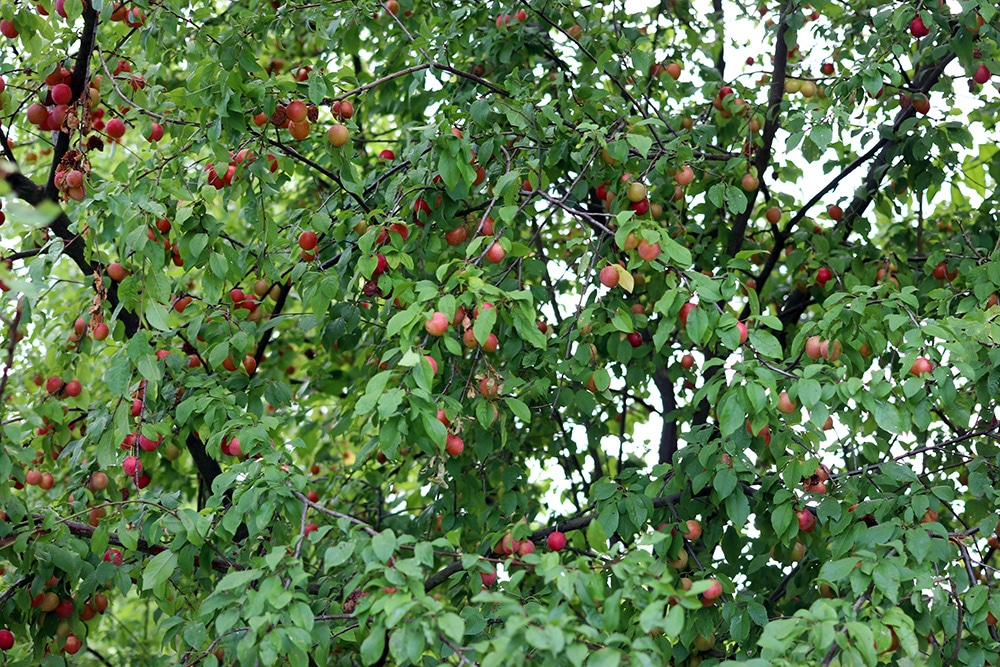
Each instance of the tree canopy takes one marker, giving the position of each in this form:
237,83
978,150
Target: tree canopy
412,332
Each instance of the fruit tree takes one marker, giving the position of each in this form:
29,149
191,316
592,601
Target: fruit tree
419,332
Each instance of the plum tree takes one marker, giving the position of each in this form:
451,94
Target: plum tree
318,318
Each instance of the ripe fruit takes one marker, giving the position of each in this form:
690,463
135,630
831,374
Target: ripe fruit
155,134
7,29
454,445
635,339
982,74
649,251
941,272
750,182
115,128
489,578
674,70
433,363
338,135
921,103
296,111
53,384
609,276
807,520
773,215
6,640
72,645
823,276
743,332
457,236
386,155
556,541
437,324
685,311
826,69
693,530
496,253
687,361
113,556
117,272
308,240
814,347
918,29
132,466
835,212
785,404
684,176
98,481
61,93
713,593
920,366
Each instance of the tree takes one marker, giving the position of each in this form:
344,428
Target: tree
416,333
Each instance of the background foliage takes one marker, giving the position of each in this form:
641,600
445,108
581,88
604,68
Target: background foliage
772,440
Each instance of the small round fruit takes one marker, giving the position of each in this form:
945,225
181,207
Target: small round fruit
72,645
115,128
684,176
73,388
807,520
556,541
6,640
823,276
714,591
437,325
835,212
785,404
53,384
693,530
609,276
308,240
113,556
636,192
685,312
454,445
648,251
744,333
750,182
920,366
773,215
496,253
338,135
635,339
687,361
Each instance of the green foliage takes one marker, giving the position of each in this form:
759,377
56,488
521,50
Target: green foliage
325,482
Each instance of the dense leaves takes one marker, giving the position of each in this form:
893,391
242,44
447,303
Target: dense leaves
414,333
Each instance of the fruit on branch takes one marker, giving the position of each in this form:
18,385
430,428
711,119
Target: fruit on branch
749,182
73,388
941,272
609,276
53,384
764,432
496,253
338,135
921,103
982,74
823,276
635,339
7,29
807,520
454,445
685,312
920,366
918,29
773,215
437,325
113,556
556,541
744,333
132,466
488,578
115,128
72,645
155,134
713,593
785,404
6,640
687,361
693,530
684,176
826,69
489,388
835,212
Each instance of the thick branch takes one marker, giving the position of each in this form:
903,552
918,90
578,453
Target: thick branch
772,121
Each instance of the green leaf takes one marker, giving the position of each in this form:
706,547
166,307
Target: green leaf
159,568
384,544
373,645
453,626
888,417
238,579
